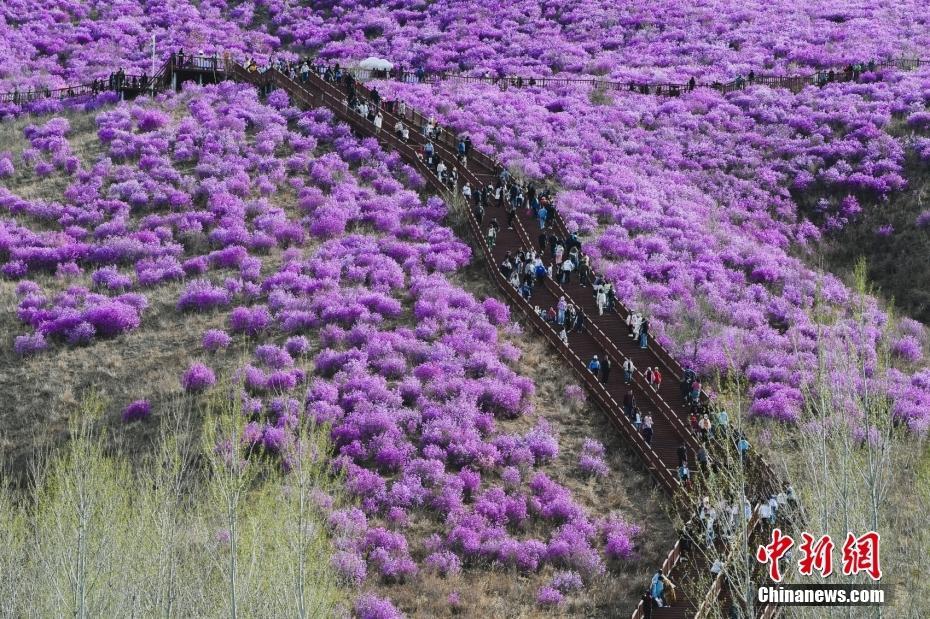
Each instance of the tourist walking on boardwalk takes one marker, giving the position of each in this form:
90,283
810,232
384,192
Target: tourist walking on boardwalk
636,321
567,267
492,234
542,214
723,421
656,379
682,452
657,588
743,446
601,301
684,474
695,394
579,321
649,375
702,458
647,603
584,270
628,401
644,334
686,382
647,428
704,426
605,369
669,590
594,365
561,309
628,369
511,215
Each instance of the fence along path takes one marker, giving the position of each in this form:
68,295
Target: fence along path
602,335
795,83
212,66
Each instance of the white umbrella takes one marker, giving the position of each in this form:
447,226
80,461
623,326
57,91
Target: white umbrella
375,64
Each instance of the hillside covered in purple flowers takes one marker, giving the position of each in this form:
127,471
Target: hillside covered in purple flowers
256,252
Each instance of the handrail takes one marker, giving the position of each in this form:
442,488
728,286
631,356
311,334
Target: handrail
156,82
671,560
713,593
212,63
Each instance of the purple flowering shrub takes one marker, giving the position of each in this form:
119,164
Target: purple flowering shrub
619,537
137,411
215,339
76,315
198,377
591,461
369,606
549,596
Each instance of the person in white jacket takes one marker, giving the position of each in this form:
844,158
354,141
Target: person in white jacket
601,301
628,369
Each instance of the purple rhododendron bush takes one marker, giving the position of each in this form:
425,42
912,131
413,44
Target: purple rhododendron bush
309,250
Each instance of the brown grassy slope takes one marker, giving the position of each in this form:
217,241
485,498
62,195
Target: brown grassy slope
40,392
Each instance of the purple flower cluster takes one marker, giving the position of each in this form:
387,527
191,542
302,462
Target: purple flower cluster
620,538
75,315
198,377
137,411
591,460
216,339
370,606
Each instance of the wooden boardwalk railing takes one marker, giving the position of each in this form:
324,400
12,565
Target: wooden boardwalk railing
795,83
213,64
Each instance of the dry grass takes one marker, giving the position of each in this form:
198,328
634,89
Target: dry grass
84,145
40,392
